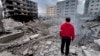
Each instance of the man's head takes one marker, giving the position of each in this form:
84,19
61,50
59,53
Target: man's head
68,19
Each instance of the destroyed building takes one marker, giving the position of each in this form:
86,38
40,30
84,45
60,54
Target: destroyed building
1,24
21,10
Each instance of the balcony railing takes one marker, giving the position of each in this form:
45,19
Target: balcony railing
9,10
8,4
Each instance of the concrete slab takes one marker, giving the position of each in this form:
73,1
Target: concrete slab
34,36
5,53
97,42
9,37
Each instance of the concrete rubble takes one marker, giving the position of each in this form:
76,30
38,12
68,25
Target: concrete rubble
40,39
97,42
5,53
90,52
10,24
9,37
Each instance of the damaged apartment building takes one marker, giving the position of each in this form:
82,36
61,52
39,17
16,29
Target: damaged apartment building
20,10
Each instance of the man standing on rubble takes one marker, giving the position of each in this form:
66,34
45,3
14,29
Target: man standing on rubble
67,34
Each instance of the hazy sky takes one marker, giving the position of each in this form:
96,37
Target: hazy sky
42,5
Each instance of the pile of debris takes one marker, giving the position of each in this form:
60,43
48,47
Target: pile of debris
33,32
90,41
10,24
42,39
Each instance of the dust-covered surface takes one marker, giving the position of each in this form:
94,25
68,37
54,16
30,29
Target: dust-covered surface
41,38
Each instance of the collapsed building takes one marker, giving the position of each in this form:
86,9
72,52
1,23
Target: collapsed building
20,10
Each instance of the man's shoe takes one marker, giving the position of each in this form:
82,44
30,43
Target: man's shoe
62,53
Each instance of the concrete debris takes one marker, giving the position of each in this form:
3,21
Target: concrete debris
26,40
35,47
91,52
11,36
97,42
34,36
83,47
49,42
54,30
90,31
31,37
10,24
41,39
5,53
72,50
26,51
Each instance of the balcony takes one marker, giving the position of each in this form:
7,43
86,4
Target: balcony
18,5
24,10
22,14
20,1
9,10
16,13
34,12
9,5
16,9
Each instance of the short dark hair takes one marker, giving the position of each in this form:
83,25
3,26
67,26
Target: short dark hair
67,19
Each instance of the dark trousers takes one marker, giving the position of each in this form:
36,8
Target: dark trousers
65,40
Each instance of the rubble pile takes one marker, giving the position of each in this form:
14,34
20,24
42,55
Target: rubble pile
91,31
31,31
42,39
37,27
90,43
28,29
10,24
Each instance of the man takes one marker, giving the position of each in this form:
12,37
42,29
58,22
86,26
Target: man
67,34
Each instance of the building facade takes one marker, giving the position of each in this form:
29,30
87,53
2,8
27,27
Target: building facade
94,8
22,10
1,24
51,11
1,10
67,8
86,6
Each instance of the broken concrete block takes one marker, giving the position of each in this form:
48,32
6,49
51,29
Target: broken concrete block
46,47
25,51
35,47
83,47
91,52
51,49
45,51
49,42
5,53
34,36
26,40
12,36
87,53
79,52
30,52
72,51
97,42
10,24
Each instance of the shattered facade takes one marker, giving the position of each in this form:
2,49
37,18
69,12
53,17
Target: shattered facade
67,8
93,8
1,17
22,10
